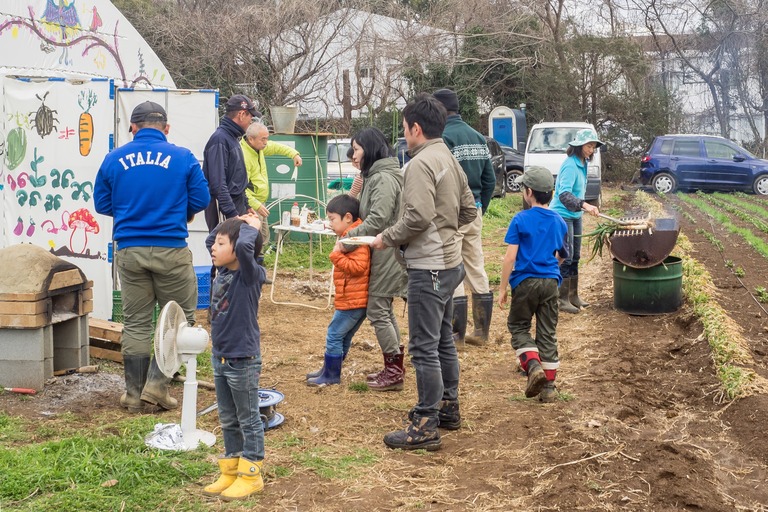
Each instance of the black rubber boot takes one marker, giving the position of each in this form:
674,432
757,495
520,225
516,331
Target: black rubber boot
573,294
135,369
482,311
459,320
156,389
564,304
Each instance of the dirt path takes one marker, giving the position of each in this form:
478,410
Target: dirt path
640,426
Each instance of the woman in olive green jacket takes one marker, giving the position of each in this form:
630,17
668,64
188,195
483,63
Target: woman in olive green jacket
380,208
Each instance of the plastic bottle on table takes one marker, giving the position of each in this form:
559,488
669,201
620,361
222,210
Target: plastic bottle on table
303,215
295,217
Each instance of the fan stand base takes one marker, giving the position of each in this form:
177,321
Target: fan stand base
193,439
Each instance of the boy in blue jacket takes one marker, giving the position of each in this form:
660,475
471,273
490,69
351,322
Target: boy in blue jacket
234,246
536,239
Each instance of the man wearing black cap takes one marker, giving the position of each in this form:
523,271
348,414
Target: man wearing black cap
150,188
223,163
470,149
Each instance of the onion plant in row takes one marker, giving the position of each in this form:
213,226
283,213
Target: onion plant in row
754,241
735,211
760,209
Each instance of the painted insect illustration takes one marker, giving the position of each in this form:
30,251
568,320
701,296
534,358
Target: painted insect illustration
86,100
44,118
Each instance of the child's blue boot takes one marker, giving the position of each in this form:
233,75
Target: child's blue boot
331,373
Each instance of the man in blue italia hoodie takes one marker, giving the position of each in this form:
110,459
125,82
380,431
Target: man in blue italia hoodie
151,188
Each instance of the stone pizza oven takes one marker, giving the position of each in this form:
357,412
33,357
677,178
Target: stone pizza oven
44,306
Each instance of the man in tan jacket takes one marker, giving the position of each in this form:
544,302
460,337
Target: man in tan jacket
436,202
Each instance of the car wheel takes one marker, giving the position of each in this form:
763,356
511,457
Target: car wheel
760,186
509,181
664,183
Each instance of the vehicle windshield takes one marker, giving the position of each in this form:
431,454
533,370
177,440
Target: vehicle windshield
337,151
551,140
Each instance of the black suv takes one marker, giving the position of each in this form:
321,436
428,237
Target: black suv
701,162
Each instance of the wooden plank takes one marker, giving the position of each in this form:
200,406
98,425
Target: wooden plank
87,294
24,321
87,307
66,278
88,284
111,355
104,329
22,297
24,308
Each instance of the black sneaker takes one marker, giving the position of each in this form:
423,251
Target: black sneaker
448,416
420,434
536,379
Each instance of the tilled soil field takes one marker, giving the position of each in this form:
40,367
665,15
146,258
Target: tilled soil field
641,425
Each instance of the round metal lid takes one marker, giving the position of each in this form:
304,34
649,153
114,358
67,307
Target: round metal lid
269,397
276,421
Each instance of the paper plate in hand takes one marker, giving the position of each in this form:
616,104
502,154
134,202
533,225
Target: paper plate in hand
358,240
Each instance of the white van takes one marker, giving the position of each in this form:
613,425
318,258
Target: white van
546,147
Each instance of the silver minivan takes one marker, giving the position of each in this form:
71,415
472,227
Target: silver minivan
546,147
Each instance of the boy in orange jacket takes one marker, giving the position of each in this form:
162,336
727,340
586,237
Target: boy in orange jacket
350,277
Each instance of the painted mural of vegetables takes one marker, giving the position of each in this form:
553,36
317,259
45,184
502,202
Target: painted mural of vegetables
15,148
36,181
86,100
31,228
19,229
82,220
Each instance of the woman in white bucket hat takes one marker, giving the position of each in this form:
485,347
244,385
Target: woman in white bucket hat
569,202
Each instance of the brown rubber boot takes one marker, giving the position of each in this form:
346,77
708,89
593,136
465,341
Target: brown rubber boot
156,389
482,310
391,379
459,321
135,369
573,293
564,304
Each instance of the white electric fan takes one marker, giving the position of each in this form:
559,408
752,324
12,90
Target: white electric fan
177,343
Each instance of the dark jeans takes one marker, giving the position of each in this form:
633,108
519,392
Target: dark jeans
433,353
534,297
237,393
570,266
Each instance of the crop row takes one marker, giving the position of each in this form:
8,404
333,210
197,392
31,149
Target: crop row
754,241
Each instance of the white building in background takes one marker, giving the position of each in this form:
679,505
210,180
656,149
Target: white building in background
735,85
354,60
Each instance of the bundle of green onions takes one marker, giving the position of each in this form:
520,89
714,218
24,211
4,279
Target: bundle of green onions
600,236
